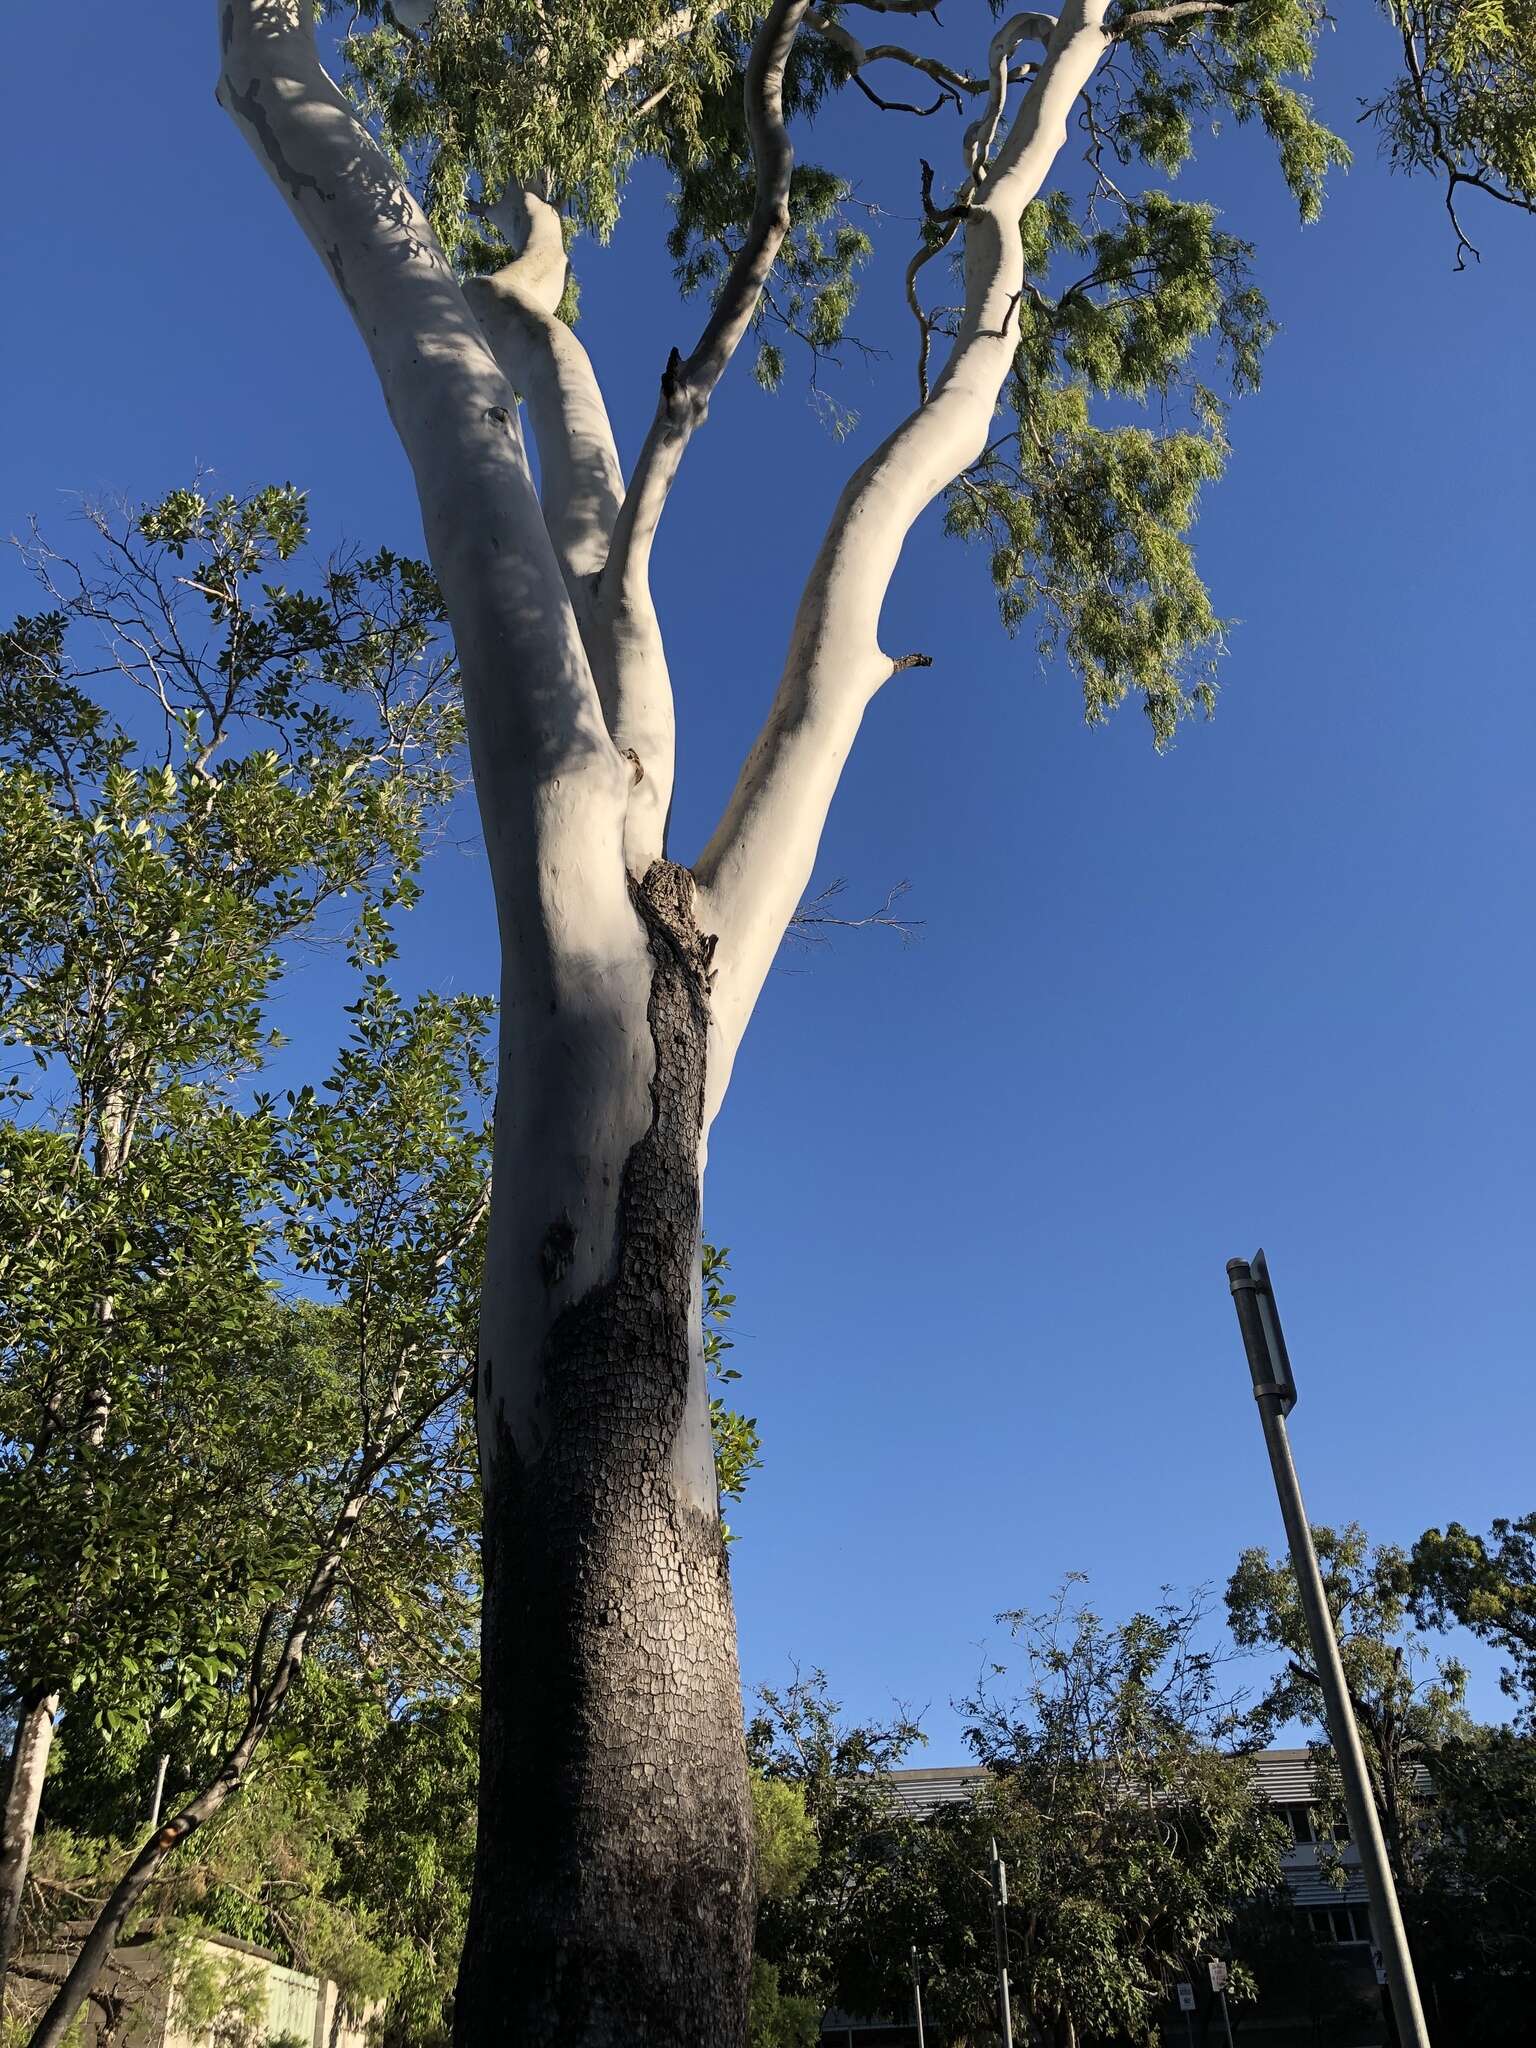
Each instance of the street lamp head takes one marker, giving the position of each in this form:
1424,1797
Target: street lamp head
1258,1317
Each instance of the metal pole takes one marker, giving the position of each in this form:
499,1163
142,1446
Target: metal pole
1226,2018
1000,1935
154,1815
917,1999
1275,1392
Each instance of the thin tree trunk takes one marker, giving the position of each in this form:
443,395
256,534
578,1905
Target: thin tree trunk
612,1899
267,1696
34,1728
23,1797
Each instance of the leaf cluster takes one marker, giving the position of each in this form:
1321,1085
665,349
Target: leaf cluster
1470,1918
536,95
1463,105
203,1289
1485,1584
1087,515
734,1435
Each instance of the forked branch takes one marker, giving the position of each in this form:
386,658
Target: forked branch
756,866
533,710
687,386
682,22
581,485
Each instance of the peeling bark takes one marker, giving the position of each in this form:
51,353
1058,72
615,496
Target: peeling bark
613,1899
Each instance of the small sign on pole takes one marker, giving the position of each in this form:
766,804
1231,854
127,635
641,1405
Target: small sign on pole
1186,1997
1219,1976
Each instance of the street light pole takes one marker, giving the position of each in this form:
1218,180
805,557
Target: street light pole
1275,1391
1000,1935
917,1999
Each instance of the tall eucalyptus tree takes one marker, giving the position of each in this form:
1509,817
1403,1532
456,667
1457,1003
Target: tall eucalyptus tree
444,184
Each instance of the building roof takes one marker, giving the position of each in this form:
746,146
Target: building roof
1285,1776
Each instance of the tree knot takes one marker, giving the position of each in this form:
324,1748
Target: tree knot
557,1250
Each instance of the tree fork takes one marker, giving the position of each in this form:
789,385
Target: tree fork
613,1891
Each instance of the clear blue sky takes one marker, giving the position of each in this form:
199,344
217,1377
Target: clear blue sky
1276,986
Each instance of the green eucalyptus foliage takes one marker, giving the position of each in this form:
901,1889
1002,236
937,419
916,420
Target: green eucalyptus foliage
787,1851
269,1870
521,92
396,1772
811,295
1470,1920
1138,300
1137,1845
1137,297
827,1897
1088,524
1463,106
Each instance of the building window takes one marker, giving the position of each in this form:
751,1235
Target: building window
1341,1926
1299,1820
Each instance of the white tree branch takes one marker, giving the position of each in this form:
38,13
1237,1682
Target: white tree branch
686,387
581,488
580,482
677,25
756,866
1165,17
860,56
541,748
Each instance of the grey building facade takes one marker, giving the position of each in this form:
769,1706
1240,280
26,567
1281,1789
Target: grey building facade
1335,1915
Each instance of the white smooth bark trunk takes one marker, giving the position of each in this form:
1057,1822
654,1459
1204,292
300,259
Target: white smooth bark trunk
23,1800
553,789
582,490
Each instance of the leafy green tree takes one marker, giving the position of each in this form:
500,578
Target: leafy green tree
404,1864
1486,1584
1136,1838
812,1770
380,1190
198,768
1473,1924
1406,1703
1463,106
448,200
1138,1848
267,1870
786,1853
